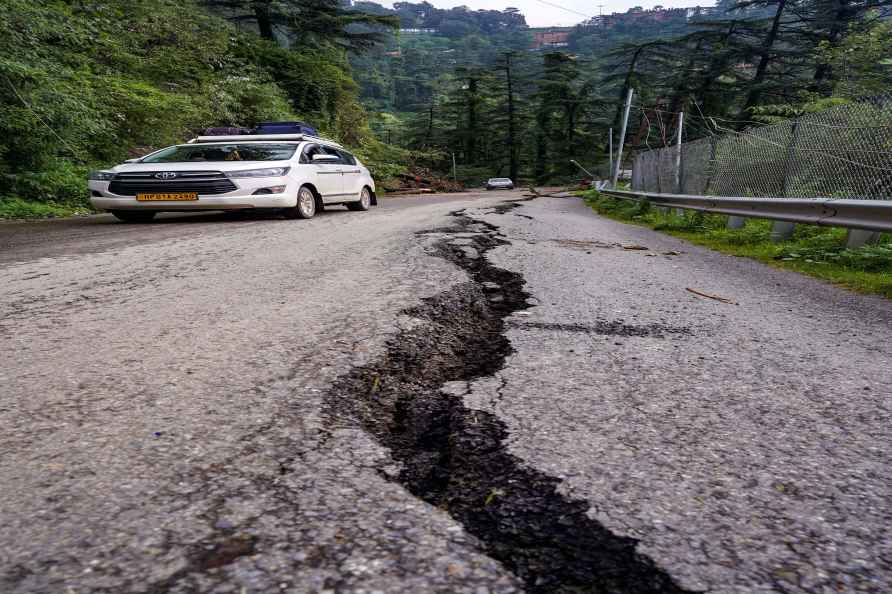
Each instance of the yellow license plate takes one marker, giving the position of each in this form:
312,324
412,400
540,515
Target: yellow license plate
169,197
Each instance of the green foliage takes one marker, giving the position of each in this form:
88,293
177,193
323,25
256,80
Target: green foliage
16,208
62,182
383,160
239,99
862,61
830,249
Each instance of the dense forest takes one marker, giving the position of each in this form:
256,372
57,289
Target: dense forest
506,105
86,84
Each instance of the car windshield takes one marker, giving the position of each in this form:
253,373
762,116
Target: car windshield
500,180
191,153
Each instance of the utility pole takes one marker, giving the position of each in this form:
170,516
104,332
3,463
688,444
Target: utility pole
610,151
622,138
454,174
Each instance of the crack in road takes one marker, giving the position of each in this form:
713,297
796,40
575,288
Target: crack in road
456,459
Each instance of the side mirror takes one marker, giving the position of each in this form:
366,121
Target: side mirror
321,158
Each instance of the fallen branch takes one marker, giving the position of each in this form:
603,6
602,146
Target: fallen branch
708,296
534,193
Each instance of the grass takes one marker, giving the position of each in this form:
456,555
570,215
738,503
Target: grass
816,251
16,208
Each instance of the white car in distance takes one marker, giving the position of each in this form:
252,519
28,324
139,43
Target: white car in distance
294,173
499,183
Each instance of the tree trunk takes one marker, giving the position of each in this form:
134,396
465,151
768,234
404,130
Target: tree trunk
472,120
823,71
755,92
264,23
512,130
571,110
430,123
680,92
717,66
627,84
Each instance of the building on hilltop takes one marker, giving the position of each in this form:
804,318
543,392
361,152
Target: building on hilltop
551,38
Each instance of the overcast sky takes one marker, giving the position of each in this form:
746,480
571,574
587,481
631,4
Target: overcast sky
543,13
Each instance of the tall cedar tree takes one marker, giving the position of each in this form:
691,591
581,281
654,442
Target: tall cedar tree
309,23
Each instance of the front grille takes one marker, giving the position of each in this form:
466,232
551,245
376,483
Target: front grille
202,182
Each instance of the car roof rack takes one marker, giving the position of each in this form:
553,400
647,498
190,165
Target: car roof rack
263,138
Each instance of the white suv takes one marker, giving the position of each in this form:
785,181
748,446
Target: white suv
295,173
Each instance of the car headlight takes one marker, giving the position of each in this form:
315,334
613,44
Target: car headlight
101,175
268,172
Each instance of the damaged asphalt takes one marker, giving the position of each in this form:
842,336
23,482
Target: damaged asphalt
457,394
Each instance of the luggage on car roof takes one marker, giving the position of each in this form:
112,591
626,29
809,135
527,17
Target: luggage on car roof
285,128
226,131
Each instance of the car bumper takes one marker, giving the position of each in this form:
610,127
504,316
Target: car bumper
112,202
241,198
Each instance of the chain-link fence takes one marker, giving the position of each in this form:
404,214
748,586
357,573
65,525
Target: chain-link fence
841,152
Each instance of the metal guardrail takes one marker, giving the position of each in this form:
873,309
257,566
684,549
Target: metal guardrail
871,215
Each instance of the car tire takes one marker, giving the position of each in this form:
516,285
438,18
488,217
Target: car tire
134,216
305,207
364,202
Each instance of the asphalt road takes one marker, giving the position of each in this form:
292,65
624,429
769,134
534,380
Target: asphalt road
444,394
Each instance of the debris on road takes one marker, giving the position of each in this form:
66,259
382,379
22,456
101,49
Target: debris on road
419,180
636,247
534,193
581,244
708,296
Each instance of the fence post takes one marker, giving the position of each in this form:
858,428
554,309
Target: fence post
610,152
782,230
712,157
734,222
679,174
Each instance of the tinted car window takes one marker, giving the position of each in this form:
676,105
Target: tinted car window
317,149
330,151
347,158
222,152
306,156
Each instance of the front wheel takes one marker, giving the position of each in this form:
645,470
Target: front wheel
305,207
365,200
134,216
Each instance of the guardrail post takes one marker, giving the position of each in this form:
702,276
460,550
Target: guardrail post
856,238
736,222
782,230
